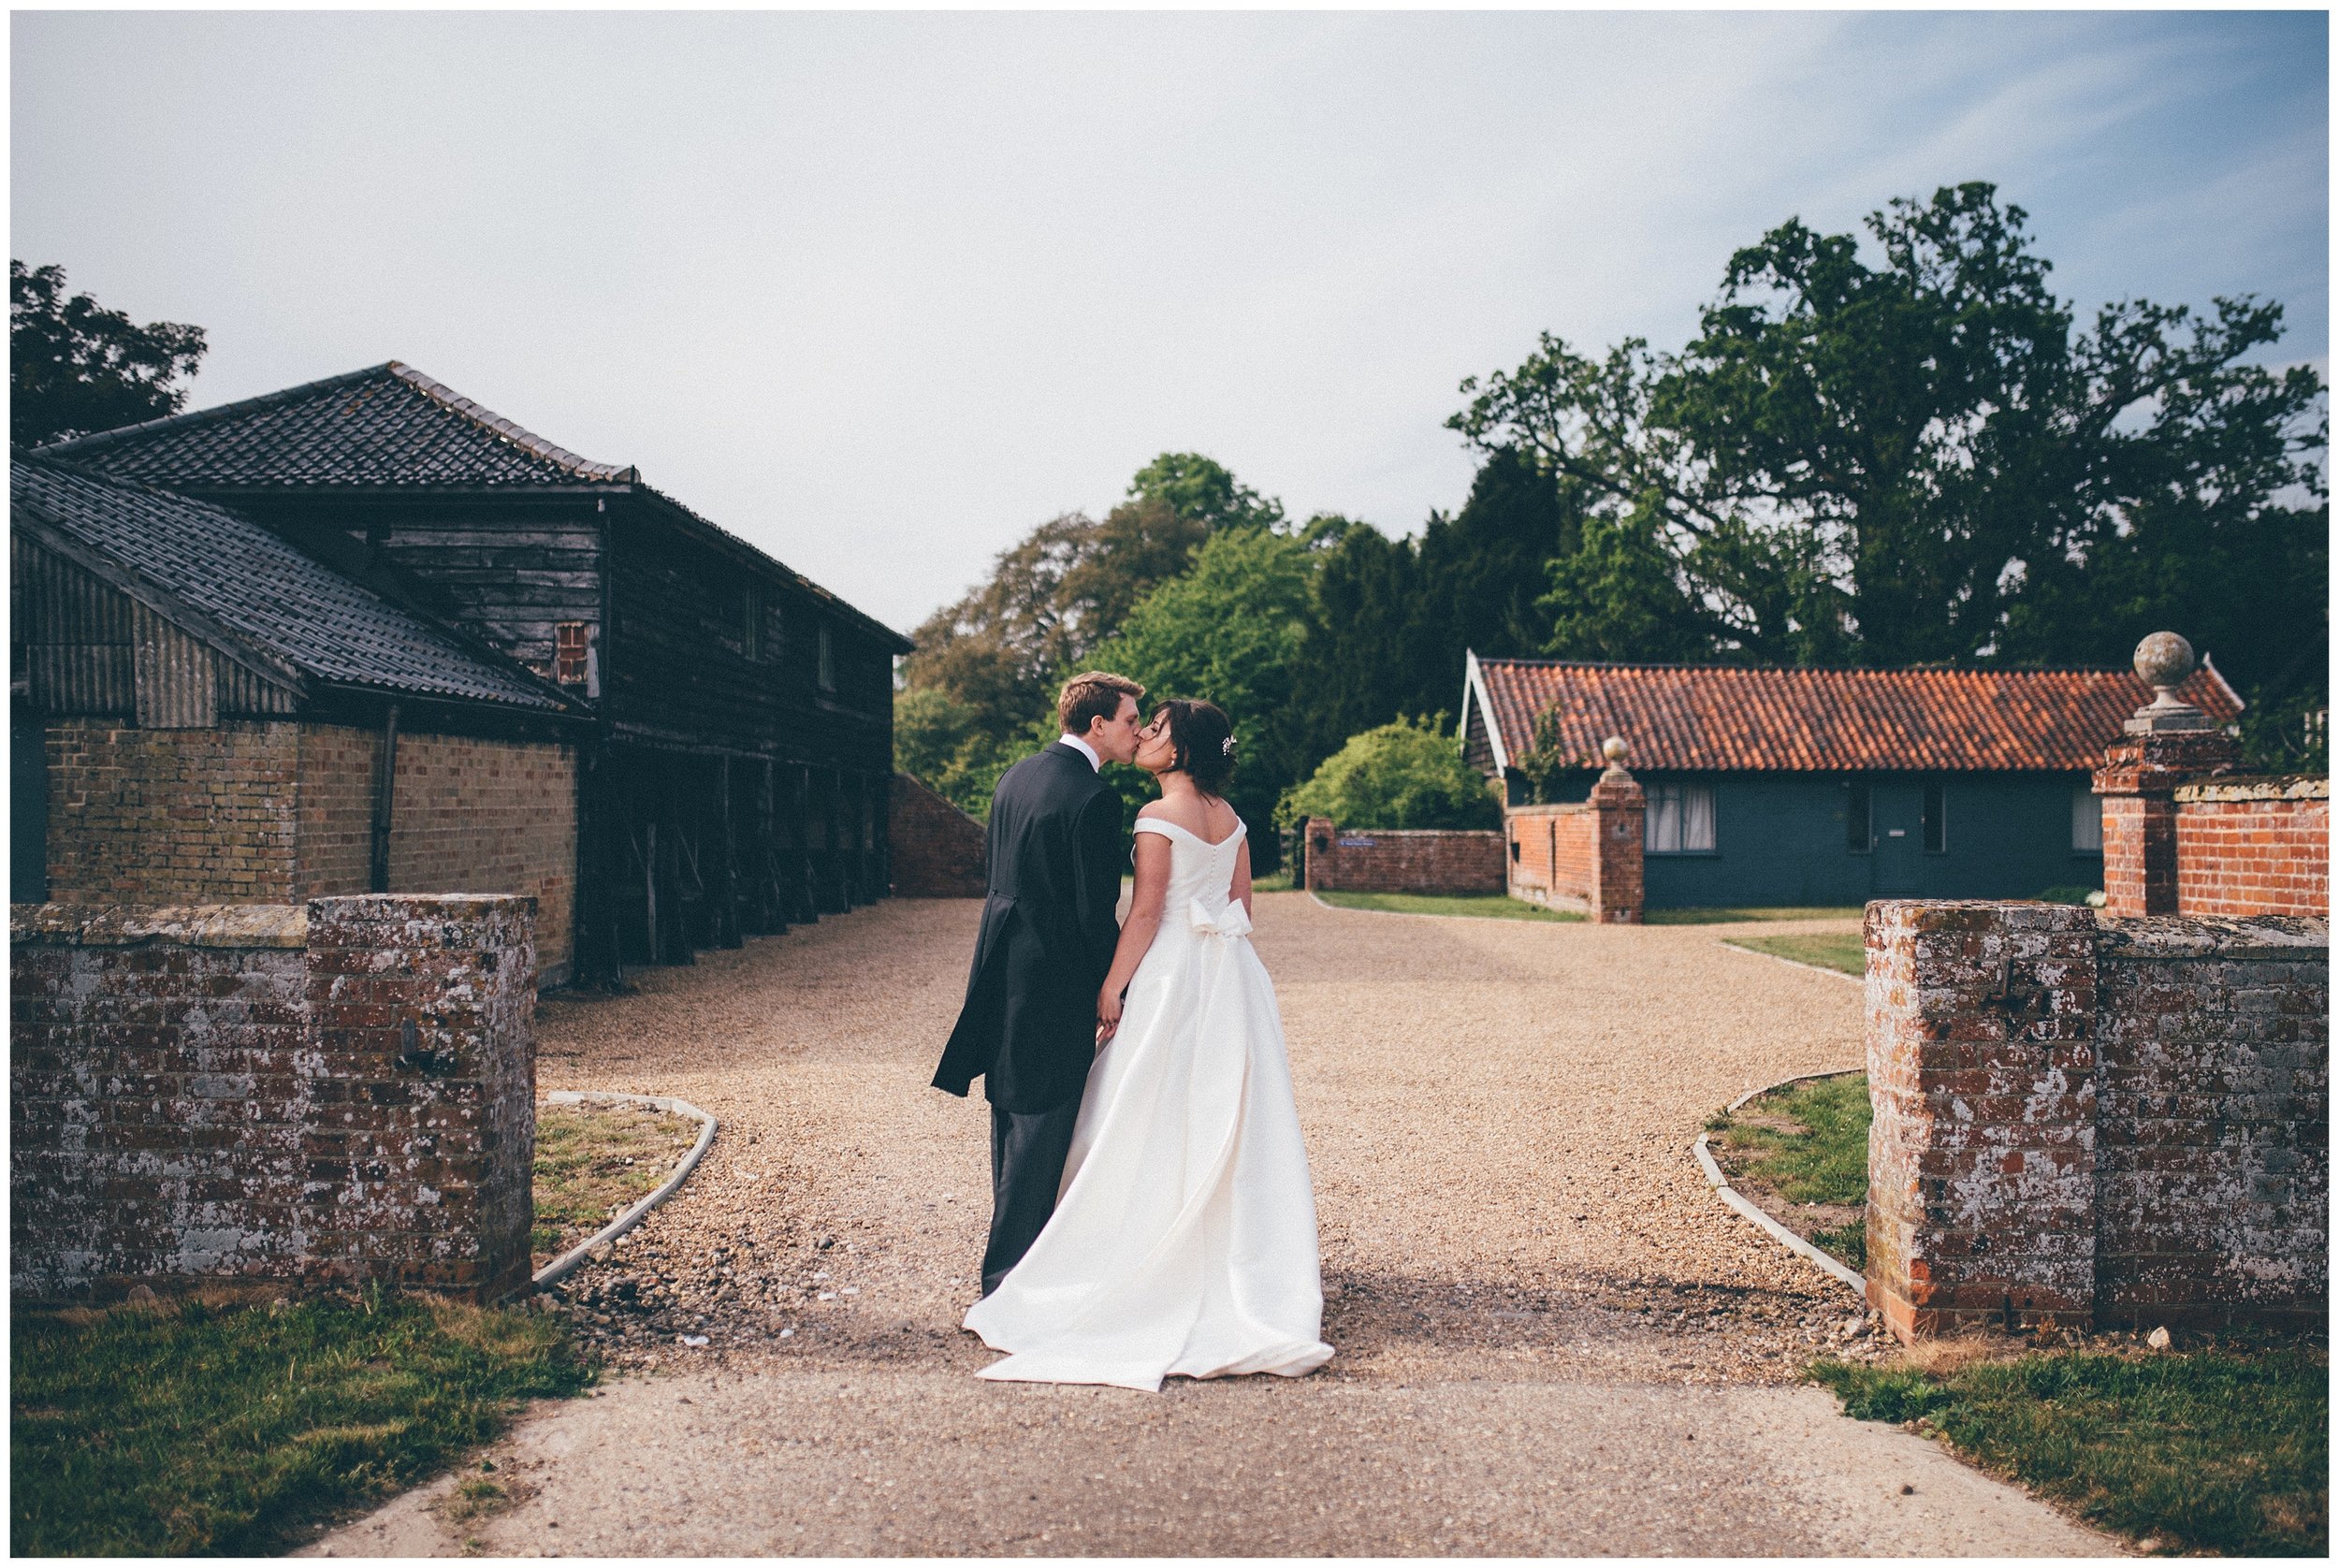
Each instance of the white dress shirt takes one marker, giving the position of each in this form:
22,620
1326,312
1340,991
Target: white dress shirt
1096,763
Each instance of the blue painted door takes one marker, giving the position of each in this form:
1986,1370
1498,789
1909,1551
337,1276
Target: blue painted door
1899,819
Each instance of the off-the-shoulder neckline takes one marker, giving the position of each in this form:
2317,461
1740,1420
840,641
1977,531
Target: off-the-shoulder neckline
1240,826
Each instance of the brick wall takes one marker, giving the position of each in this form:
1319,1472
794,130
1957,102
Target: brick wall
2083,1119
2253,845
936,850
279,811
491,816
255,1093
1583,855
154,816
1408,859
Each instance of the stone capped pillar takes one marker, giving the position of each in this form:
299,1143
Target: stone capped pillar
2164,744
1323,855
1982,1072
420,1150
1619,812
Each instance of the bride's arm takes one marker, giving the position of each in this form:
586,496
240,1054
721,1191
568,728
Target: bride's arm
1146,897
1240,890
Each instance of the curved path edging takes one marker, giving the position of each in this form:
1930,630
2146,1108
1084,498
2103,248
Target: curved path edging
1424,914
568,1260
1752,1210
1817,969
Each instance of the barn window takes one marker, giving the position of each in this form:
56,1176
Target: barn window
828,661
1936,819
1859,830
567,652
752,619
1680,820
2087,820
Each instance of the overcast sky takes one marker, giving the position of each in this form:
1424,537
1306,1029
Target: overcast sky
880,292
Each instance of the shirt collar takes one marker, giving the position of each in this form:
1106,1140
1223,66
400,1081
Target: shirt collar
1096,763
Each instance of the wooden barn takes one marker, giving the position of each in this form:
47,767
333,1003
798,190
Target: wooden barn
734,779
201,713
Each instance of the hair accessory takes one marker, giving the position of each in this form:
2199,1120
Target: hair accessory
1226,748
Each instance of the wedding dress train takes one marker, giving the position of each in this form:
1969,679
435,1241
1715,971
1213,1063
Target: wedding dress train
1184,1237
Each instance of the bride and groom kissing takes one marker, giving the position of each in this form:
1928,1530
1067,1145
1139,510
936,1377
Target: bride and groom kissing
1152,1214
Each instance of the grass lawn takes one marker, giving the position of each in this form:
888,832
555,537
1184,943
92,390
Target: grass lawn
2218,1449
194,1429
1806,1149
593,1162
1750,912
1846,951
1491,905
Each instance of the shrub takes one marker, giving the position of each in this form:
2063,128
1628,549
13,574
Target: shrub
1405,775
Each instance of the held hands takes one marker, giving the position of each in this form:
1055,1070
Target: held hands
1107,1013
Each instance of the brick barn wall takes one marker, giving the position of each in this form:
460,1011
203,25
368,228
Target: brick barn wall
264,1092
158,815
2089,1119
491,816
937,849
1409,860
2253,846
336,763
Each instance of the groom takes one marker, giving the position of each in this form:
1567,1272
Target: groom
1029,1024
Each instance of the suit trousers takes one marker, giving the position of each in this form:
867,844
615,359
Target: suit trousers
1027,1154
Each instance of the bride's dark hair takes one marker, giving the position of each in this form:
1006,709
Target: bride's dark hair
1203,738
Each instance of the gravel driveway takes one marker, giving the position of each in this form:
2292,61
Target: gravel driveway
1551,1338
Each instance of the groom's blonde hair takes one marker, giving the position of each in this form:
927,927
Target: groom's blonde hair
1092,696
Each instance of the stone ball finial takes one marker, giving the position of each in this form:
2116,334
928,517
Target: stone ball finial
2164,660
1615,750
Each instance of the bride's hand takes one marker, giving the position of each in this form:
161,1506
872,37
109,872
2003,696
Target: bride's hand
1108,1014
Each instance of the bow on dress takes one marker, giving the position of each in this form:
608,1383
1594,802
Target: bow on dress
1228,922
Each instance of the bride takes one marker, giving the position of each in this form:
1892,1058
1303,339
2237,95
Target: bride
1183,1236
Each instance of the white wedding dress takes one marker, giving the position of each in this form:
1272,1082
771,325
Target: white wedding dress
1183,1236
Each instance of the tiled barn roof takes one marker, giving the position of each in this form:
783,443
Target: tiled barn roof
1723,718
386,425
252,583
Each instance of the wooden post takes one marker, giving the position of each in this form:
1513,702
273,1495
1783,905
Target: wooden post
385,799
726,889
649,885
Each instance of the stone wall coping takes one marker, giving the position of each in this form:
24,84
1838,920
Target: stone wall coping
1346,831
2273,787
1549,808
195,925
2280,938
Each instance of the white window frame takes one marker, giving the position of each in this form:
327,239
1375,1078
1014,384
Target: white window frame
1678,813
2087,820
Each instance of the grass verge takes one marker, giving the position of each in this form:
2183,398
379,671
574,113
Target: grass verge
200,1428
1750,912
593,1162
1801,1153
2219,1449
1846,953
1491,905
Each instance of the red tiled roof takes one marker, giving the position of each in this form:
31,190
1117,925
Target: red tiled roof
1725,718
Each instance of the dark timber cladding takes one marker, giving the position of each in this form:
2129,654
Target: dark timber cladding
737,778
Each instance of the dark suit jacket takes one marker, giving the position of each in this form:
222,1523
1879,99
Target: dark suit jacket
1029,1024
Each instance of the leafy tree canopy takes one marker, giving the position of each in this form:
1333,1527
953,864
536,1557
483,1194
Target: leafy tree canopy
1203,491
1405,775
1876,461
75,367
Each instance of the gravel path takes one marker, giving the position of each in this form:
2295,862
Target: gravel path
1551,1338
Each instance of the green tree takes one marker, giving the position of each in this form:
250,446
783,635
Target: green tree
75,367
1877,463
937,740
1408,774
1226,631
1203,491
